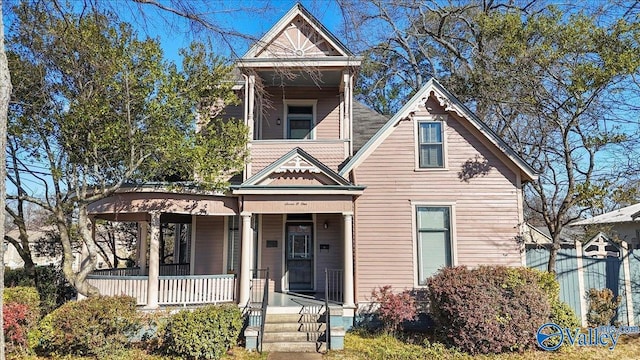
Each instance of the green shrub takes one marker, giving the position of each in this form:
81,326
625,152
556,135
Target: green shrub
490,309
393,309
21,313
98,326
204,333
603,306
52,286
26,295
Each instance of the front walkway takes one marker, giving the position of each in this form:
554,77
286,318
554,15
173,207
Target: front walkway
297,356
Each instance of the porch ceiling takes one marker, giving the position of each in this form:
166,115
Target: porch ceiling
296,77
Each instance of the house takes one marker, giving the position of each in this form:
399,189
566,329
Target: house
335,200
621,224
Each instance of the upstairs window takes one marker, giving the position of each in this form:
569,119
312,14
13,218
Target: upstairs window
299,122
430,145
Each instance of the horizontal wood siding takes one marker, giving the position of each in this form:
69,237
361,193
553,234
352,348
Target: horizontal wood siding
209,245
327,125
486,206
263,153
272,257
332,236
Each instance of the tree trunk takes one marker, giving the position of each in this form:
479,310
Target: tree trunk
5,94
553,254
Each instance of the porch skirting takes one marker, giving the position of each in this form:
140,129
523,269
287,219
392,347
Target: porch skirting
172,290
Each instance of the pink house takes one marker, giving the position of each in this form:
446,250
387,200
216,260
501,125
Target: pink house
335,201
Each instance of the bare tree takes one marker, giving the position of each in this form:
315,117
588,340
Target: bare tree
5,95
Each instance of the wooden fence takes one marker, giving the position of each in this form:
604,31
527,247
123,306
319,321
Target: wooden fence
577,272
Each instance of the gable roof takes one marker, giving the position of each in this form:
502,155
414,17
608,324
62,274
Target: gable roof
283,23
450,103
626,214
302,162
366,123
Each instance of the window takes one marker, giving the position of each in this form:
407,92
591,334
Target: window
433,239
430,145
299,122
233,244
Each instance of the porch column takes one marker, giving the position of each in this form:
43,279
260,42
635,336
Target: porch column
154,262
245,260
348,298
143,234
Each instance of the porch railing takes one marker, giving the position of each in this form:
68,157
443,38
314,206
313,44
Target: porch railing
165,270
173,290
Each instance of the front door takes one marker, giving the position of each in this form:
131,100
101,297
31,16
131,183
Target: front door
299,255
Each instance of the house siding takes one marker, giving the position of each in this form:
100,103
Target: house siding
327,126
272,257
330,153
486,209
332,236
209,245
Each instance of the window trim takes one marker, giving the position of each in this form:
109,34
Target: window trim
285,115
417,120
414,234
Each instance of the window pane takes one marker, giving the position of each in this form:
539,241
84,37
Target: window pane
430,132
434,218
434,253
299,129
233,245
431,155
301,110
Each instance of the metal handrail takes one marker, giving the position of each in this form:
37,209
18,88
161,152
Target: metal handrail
263,310
327,335
333,293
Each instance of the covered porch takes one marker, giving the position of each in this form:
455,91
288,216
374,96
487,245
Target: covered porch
198,248
180,248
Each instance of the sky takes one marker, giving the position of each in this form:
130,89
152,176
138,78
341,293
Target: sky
252,18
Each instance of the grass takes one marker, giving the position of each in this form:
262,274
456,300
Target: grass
235,353
379,347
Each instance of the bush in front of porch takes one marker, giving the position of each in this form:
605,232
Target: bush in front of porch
99,327
204,333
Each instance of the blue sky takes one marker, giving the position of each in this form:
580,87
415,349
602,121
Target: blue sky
253,18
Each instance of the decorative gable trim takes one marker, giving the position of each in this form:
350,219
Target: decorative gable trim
297,165
450,103
297,161
285,22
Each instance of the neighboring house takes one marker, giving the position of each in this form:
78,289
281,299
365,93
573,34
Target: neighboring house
621,224
330,185
47,251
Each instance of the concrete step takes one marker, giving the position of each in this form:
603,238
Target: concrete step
293,327
292,336
294,318
293,347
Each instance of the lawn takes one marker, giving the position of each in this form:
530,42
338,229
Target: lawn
359,346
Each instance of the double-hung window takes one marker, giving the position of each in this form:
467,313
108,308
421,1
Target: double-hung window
299,122
430,144
433,239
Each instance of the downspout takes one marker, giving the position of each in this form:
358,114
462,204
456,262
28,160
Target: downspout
245,104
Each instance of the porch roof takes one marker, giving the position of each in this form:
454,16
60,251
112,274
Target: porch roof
297,161
132,204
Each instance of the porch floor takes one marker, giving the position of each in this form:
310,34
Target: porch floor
283,303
